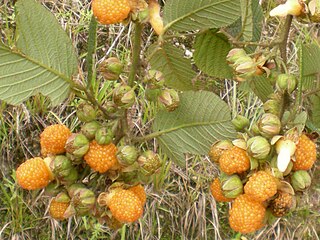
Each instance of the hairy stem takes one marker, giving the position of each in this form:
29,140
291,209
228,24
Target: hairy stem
92,40
284,38
136,54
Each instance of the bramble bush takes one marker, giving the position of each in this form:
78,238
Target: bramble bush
101,168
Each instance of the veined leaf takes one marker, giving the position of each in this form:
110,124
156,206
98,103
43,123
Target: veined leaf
44,60
315,113
182,15
211,50
247,19
177,69
261,87
309,65
201,119
250,25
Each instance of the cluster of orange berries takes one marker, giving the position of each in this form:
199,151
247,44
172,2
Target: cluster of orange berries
251,176
64,170
256,191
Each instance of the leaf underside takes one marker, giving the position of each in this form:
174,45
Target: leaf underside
211,50
43,60
201,119
176,69
181,15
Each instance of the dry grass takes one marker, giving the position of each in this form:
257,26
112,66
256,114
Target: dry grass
179,205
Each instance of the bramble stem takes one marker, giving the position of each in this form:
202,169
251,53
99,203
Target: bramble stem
136,54
284,38
92,40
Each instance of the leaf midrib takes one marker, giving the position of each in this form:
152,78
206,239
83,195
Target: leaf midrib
60,75
189,125
191,13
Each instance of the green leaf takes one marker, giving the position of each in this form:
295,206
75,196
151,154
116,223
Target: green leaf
309,65
44,60
211,50
182,15
261,87
315,113
177,69
310,59
201,119
246,19
249,27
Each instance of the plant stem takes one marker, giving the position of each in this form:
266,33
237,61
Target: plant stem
136,54
92,40
123,232
284,38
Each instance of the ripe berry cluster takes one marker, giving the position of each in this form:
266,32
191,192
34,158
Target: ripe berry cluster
267,166
86,173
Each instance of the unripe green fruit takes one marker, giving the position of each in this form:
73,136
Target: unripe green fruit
231,186
258,147
300,180
286,82
86,112
127,155
111,69
89,129
77,145
269,125
104,135
240,122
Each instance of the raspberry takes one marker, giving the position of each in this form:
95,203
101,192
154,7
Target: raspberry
217,192
101,157
125,206
53,139
246,215
110,11
34,174
57,209
140,192
306,154
234,160
261,186
282,204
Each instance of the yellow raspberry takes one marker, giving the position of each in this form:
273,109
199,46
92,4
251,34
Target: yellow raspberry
101,157
57,209
110,11
140,192
234,160
246,215
217,192
261,186
34,174
53,139
125,206
306,154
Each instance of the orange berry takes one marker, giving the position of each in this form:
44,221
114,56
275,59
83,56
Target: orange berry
261,186
246,215
140,192
306,154
101,157
57,209
110,11
234,160
34,174
125,206
53,139
217,192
